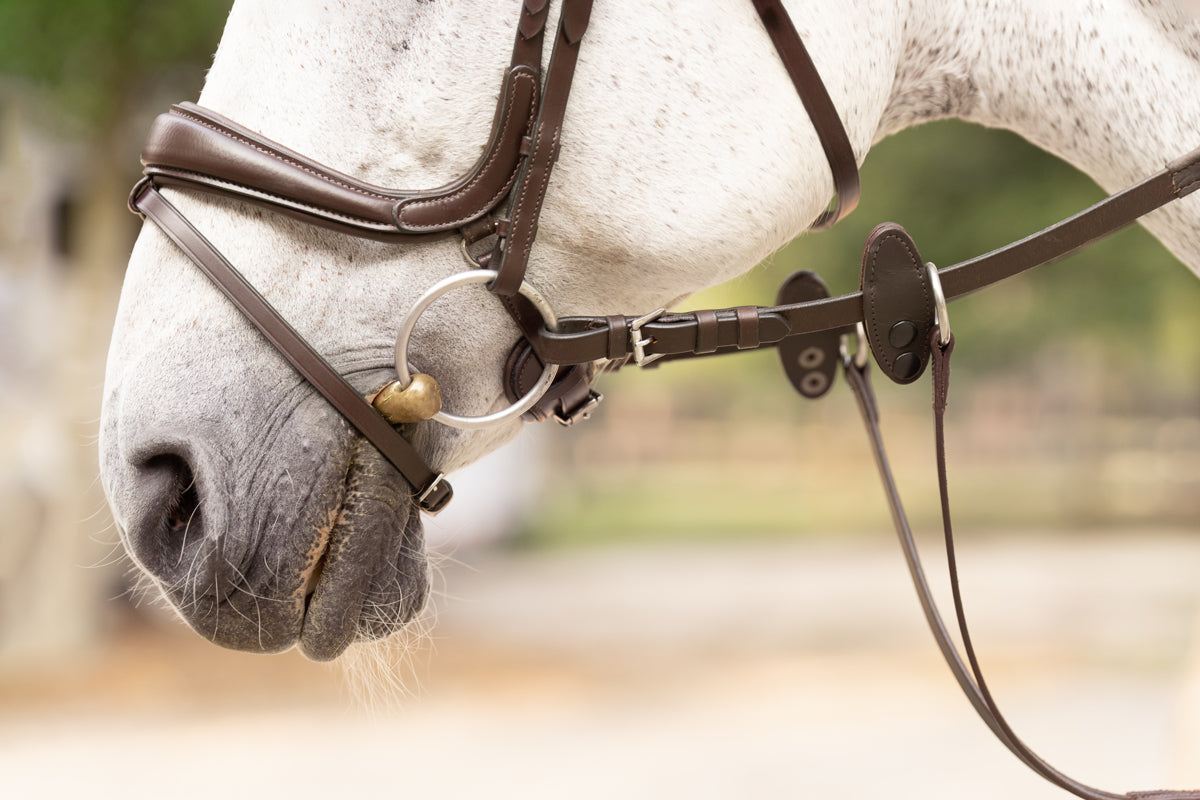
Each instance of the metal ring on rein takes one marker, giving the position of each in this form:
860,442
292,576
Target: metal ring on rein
861,349
440,288
941,315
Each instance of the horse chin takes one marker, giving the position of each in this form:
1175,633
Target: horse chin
337,559
371,576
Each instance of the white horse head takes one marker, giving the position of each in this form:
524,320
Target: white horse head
686,159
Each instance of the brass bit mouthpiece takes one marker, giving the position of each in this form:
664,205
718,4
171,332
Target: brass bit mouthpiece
417,402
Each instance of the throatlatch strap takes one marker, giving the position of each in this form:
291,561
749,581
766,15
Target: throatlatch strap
820,108
972,680
432,490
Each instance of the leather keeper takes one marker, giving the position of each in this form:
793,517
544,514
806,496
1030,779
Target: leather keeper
478,230
809,360
618,337
747,328
707,331
898,310
1185,177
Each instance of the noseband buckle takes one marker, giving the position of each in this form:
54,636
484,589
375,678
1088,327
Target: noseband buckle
434,497
581,412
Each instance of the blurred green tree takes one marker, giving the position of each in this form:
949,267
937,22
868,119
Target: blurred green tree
94,58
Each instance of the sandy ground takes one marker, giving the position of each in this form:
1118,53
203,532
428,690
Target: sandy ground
752,670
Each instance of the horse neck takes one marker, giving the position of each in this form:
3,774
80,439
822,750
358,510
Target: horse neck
1111,88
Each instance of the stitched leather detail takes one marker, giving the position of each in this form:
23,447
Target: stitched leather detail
279,156
529,204
298,184
511,254
202,181
897,304
484,174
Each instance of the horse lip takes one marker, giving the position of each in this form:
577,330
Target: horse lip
314,577
331,610
320,554
346,560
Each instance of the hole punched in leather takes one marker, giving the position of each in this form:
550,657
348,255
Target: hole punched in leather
898,305
810,361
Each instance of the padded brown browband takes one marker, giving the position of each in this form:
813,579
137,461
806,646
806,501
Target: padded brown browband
200,149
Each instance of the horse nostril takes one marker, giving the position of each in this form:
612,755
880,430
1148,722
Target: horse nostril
169,538
185,509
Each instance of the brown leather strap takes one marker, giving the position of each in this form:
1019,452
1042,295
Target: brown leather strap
510,257
1180,178
747,328
820,108
970,680
580,339
432,491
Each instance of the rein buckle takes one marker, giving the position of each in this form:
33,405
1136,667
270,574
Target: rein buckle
639,345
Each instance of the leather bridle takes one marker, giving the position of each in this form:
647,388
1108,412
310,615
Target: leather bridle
899,314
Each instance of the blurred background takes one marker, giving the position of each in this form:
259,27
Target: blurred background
733,631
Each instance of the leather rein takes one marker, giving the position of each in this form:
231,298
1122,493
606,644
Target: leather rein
899,314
